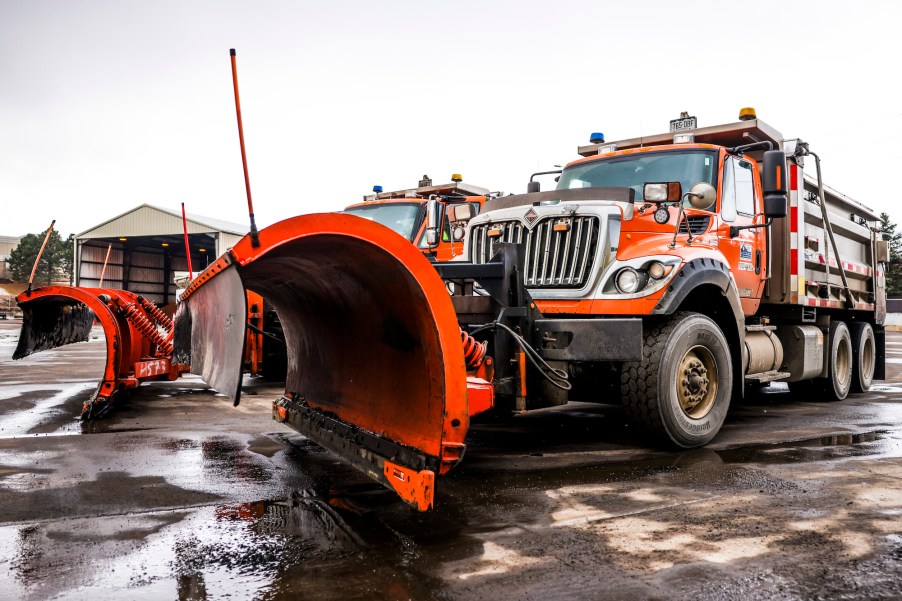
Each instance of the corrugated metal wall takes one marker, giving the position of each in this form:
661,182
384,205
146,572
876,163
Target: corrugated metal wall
92,265
146,272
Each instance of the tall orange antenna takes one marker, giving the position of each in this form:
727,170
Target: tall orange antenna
40,252
255,240
188,246
105,261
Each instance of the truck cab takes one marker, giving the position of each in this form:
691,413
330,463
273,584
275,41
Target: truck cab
433,217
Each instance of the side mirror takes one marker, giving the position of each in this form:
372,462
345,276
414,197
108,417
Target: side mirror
460,212
702,196
663,192
774,179
533,187
433,221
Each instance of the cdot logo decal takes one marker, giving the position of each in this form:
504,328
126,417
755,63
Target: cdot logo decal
531,216
745,252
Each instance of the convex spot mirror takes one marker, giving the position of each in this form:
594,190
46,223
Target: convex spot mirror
774,180
663,192
702,196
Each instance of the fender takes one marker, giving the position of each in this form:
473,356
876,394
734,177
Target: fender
699,272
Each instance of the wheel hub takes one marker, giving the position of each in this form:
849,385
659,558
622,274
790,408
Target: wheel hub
697,386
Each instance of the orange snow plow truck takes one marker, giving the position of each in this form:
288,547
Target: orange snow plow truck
669,273
436,228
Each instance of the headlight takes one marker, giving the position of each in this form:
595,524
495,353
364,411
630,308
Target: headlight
639,276
656,270
627,280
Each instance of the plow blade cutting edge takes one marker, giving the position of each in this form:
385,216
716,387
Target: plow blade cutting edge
376,369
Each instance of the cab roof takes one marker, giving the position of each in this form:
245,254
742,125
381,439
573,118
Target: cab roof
729,134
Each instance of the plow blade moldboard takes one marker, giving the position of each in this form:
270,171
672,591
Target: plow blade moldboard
210,328
136,349
375,365
49,322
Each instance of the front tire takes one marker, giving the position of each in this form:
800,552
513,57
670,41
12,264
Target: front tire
680,390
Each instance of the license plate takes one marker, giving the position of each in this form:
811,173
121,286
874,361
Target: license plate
683,124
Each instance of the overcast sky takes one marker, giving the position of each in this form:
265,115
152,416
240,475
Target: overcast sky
106,105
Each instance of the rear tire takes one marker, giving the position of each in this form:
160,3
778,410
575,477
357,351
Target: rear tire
864,356
680,391
839,375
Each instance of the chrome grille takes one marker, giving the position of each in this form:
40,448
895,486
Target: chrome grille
554,259
482,247
697,224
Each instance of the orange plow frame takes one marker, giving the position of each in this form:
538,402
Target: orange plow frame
135,350
376,368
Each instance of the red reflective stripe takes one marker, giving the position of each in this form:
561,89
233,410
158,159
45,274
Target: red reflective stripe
794,219
793,177
794,262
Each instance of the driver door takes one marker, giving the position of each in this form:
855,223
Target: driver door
745,252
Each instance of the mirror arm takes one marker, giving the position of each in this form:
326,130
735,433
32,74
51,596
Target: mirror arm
734,229
544,173
744,148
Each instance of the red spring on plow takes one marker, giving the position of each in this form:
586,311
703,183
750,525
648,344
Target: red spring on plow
474,351
156,313
147,328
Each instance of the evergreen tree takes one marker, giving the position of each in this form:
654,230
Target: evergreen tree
56,262
894,268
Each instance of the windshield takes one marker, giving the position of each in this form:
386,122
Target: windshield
635,170
404,218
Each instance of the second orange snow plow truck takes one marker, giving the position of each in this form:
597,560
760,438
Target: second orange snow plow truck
432,216
669,273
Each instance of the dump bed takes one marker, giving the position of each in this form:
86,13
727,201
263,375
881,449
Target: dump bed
805,267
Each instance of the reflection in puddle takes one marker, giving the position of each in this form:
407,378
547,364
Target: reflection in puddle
233,551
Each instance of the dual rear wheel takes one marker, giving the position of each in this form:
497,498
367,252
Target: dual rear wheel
851,361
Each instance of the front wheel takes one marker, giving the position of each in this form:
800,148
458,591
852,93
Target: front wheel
680,390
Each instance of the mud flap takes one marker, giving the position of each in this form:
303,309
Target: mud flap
210,327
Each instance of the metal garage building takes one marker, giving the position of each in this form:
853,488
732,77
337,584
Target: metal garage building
146,247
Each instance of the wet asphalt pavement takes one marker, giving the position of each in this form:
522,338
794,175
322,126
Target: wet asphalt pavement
178,495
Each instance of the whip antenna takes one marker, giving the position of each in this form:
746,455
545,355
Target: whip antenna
188,246
255,240
40,252
105,261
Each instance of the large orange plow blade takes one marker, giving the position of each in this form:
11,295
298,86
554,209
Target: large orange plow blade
375,363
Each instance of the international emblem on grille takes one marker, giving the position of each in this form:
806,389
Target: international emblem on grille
531,216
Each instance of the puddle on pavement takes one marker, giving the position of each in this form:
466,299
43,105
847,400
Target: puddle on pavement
322,542
299,546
